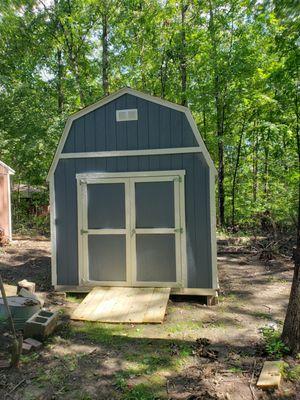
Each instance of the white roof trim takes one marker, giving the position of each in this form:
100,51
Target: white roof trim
10,170
141,95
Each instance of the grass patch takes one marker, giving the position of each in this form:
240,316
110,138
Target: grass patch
261,315
73,298
141,391
235,370
183,327
292,373
28,358
101,333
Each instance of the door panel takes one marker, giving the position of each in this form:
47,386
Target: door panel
106,205
105,231
130,230
107,257
155,250
154,204
156,259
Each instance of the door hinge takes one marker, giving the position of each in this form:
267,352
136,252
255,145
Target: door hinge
178,230
178,179
82,231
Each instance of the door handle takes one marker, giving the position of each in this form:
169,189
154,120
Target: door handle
132,232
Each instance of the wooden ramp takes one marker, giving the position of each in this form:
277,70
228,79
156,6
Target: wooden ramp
124,304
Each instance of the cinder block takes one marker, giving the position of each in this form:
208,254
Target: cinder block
41,324
34,343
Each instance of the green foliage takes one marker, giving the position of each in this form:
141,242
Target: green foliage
241,63
292,373
273,343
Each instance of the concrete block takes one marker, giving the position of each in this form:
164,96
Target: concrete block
41,324
24,284
34,343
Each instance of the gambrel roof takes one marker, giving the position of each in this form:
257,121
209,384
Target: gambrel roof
200,143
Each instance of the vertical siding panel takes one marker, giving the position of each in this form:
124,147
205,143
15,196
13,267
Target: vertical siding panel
165,135
202,237
69,146
188,136
121,135
132,134
153,118
100,129
100,122
143,132
90,132
176,137
110,133
61,222
188,165
71,250
79,135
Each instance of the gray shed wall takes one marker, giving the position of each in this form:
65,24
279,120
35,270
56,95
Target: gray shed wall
157,127
196,202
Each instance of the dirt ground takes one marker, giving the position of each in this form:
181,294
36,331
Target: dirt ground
144,362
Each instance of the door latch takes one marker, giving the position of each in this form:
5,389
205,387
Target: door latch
82,231
132,232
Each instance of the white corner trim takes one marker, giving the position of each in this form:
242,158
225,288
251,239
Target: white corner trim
213,234
129,153
136,93
9,207
53,232
10,170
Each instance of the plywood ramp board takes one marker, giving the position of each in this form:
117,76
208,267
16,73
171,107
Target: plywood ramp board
124,304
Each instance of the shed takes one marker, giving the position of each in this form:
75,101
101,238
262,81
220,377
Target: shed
5,200
132,198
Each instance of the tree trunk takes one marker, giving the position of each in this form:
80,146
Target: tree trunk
220,113
291,327
237,164
60,96
255,167
183,58
104,39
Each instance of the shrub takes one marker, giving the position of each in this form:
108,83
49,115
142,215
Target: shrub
273,344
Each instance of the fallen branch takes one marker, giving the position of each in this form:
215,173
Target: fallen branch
15,387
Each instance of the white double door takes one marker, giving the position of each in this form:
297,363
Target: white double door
131,229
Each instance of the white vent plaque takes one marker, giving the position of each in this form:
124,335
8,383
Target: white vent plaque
127,115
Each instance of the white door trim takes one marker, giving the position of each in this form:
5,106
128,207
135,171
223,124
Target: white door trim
129,179
90,177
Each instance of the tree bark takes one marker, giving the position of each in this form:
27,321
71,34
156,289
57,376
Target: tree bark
255,167
291,327
183,58
237,164
220,113
104,40
60,96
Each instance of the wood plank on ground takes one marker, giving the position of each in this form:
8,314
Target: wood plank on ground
270,375
124,304
10,290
